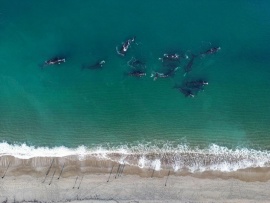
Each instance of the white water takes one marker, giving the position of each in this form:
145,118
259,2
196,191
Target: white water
213,158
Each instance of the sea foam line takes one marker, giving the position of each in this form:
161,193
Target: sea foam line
147,155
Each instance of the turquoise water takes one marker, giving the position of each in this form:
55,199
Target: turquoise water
65,106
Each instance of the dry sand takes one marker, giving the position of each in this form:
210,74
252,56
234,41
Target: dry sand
87,181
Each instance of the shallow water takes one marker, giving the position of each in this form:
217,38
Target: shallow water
65,106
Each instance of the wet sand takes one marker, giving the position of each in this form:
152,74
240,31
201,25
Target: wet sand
93,180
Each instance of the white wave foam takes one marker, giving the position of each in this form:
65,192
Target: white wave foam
141,162
156,164
23,151
155,156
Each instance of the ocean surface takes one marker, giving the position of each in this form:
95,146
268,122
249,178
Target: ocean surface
61,109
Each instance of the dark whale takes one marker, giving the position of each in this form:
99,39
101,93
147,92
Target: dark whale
196,84
188,67
97,65
124,48
55,60
186,92
170,57
212,50
136,73
137,64
169,73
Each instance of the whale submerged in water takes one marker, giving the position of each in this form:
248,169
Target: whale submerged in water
170,57
191,88
185,91
169,73
188,67
136,73
212,50
125,46
135,63
97,65
55,60
196,84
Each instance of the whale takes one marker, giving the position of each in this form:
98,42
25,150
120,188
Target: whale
196,84
97,65
188,67
54,61
157,75
137,64
169,73
170,57
185,91
136,73
212,50
125,46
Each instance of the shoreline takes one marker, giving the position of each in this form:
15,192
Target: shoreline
181,157
36,180
73,165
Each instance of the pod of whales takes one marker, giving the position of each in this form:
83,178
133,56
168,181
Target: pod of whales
171,62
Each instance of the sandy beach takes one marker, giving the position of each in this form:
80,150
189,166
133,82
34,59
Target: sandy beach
69,179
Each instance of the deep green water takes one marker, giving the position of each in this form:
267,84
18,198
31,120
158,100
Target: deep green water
62,105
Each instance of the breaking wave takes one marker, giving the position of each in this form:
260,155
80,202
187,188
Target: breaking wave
158,157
